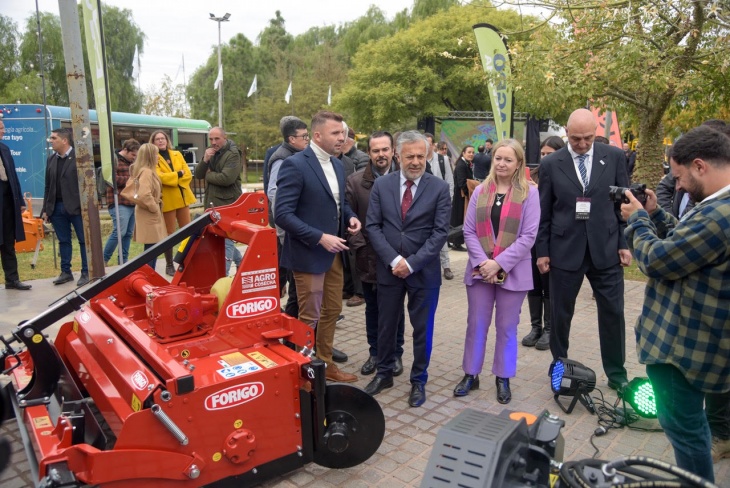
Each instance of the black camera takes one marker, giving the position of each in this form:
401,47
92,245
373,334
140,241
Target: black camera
616,193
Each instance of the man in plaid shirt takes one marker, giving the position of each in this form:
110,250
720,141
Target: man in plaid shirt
125,224
683,332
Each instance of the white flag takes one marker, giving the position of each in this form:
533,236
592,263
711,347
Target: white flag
252,90
329,96
219,79
287,97
135,64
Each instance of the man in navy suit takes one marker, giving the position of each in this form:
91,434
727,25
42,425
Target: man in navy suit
407,222
11,222
582,234
312,209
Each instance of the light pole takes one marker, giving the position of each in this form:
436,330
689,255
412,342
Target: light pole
220,84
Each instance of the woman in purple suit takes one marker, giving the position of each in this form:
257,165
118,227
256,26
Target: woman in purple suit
499,229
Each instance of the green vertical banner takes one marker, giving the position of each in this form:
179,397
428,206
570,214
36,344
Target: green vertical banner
97,65
495,61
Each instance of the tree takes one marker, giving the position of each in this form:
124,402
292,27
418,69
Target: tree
426,69
167,100
239,67
370,27
426,8
53,61
121,35
648,60
8,54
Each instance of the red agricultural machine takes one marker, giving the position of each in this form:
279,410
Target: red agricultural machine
201,381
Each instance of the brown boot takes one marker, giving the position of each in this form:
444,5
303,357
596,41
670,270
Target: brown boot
333,373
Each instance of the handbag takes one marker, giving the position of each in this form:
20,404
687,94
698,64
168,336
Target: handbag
130,191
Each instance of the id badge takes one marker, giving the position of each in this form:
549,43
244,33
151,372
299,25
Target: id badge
582,208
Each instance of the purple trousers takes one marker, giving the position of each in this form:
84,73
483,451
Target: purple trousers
483,298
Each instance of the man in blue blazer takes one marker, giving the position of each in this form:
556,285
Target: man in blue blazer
581,234
11,222
311,207
408,222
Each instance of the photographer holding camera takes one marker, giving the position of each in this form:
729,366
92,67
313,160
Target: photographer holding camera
683,332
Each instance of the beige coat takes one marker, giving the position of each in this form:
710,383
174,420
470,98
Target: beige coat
149,226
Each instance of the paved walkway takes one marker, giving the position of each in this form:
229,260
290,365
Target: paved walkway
410,433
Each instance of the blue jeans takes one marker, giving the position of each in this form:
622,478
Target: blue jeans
62,223
232,255
126,227
681,414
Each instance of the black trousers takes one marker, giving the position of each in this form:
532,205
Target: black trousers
422,303
608,287
7,248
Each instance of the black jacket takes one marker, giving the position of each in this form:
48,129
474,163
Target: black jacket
13,186
69,184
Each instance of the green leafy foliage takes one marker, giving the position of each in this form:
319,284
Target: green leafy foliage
647,60
23,82
426,69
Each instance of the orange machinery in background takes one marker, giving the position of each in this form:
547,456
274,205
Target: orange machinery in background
34,232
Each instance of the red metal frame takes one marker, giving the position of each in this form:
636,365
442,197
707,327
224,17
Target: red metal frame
223,378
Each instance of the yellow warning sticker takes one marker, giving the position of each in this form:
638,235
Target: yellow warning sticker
37,338
43,422
234,358
238,424
553,479
217,457
185,353
136,403
262,360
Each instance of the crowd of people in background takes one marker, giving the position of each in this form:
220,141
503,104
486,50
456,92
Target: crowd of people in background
374,227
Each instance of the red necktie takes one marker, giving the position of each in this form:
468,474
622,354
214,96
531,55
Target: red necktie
405,204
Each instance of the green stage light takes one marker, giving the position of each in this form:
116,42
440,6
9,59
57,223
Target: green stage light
639,393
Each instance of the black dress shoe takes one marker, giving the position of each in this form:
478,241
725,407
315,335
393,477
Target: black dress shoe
504,395
378,384
468,382
338,356
398,369
83,279
17,285
417,396
618,385
64,277
369,367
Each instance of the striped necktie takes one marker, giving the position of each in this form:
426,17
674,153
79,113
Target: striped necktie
582,169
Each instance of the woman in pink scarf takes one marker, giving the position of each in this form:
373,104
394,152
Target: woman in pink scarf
499,230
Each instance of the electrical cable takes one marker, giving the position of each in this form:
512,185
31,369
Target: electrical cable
685,475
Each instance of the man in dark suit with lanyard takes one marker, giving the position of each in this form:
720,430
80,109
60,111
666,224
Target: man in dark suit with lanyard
311,207
11,222
582,234
407,222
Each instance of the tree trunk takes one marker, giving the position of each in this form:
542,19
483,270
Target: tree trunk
650,153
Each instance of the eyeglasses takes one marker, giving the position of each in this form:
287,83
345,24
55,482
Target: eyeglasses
305,137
